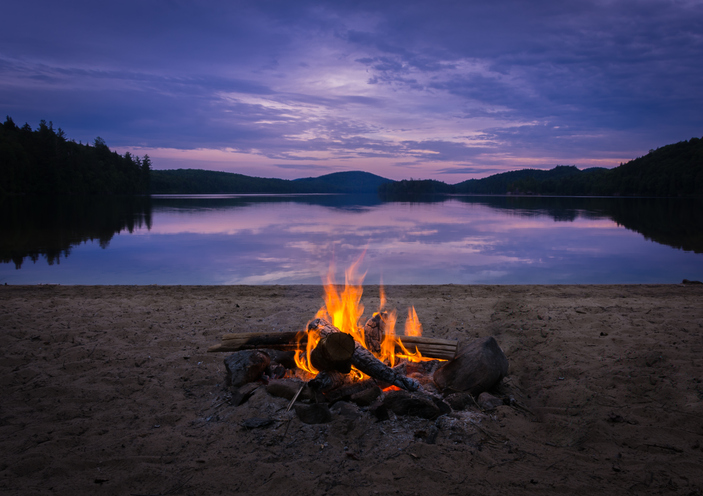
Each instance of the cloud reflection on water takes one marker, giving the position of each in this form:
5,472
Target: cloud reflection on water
293,241
448,242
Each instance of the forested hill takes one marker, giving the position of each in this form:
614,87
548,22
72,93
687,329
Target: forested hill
197,181
672,170
45,161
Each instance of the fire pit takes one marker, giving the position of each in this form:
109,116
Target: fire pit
337,359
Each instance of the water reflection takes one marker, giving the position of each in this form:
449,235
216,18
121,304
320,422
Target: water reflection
31,227
292,239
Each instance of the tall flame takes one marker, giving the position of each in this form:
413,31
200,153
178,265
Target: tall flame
302,357
389,339
344,311
412,324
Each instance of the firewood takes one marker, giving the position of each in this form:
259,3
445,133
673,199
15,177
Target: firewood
333,352
254,340
364,360
374,331
478,366
429,347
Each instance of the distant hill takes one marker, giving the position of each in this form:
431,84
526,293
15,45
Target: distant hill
344,182
197,181
672,170
502,183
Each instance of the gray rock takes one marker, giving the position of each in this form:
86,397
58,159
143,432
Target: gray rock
245,366
477,367
242,394
317,413
414,404
488,402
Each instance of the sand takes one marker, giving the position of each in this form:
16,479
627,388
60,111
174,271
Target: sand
109,390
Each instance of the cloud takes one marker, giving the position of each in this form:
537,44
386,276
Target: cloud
441,86
469,170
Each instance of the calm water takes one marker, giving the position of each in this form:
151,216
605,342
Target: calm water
227,239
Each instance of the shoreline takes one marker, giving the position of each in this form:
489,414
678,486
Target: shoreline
110,389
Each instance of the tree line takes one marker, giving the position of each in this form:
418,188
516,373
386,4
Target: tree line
674,170
45,161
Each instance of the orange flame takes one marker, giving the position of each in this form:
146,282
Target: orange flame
344,311
389,339
410,356
412,324
302,357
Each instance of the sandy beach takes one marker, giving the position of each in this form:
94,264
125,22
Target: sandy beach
109,390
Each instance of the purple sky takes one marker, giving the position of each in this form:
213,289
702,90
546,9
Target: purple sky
443,90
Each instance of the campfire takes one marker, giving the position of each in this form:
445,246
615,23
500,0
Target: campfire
337,358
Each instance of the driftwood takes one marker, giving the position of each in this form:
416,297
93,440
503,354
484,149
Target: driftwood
478,366
256,340
364,360
444,349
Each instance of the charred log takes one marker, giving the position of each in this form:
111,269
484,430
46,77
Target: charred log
333,352
374,331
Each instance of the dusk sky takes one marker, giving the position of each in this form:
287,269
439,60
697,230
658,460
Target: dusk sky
443,90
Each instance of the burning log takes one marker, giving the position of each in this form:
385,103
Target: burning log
429,347
374,330
364,360
333,352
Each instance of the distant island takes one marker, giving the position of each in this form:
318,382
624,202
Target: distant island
44,161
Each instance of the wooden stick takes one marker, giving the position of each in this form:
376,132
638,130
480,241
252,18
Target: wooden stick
429,347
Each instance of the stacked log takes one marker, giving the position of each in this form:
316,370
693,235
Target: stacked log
365,361
443,349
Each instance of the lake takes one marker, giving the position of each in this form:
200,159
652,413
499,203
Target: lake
274,239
